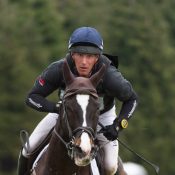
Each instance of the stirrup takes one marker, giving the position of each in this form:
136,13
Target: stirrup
24,137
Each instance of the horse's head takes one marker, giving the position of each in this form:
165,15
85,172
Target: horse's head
80,113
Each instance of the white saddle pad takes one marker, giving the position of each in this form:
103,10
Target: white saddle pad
94,167
40,154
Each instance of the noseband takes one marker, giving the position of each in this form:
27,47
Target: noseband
70,146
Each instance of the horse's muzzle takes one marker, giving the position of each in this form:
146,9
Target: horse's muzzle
81,158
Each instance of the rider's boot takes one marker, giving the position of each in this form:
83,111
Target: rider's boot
22,168
25,164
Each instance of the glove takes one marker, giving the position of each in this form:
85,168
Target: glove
57,107
110,132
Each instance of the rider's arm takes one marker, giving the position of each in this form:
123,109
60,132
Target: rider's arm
127,109
120,88
44,85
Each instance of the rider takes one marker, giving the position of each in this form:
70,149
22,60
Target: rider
85,57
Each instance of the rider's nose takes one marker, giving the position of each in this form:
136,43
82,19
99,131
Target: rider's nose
84,59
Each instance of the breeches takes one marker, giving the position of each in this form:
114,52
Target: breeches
110,148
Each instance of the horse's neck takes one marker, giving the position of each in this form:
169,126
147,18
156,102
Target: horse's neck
56,146
62,129
55,140
56,156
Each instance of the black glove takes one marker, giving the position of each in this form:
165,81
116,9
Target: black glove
57,107
110,132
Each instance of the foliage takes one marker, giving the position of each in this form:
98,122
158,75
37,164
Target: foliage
34,33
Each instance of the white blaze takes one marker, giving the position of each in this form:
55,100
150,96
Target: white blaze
83,101
85,144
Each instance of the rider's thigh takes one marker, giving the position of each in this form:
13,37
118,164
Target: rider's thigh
40,132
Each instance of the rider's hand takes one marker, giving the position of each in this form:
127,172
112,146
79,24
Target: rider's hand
57,107
110,132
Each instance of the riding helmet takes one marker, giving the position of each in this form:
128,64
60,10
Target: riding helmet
86,40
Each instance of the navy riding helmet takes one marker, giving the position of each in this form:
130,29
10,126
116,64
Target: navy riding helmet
86,40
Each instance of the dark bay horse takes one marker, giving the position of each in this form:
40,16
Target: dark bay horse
73,142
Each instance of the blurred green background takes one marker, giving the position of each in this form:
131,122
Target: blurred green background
34,33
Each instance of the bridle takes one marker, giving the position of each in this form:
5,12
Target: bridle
70,146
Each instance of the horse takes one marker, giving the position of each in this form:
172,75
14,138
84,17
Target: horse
73,144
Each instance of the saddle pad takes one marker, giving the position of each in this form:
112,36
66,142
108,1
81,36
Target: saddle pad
39,156
94,167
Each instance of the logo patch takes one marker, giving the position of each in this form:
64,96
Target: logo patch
41,81
124,123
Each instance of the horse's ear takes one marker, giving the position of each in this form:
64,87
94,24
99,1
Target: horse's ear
95,79
68,75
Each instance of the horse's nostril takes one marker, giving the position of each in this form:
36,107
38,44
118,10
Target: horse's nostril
80,152
87,152
78,149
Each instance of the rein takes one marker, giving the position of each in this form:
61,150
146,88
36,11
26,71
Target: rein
89,130
70,145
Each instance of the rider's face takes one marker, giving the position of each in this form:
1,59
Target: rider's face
84,63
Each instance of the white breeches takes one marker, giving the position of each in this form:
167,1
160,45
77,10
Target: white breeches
110,147
40,133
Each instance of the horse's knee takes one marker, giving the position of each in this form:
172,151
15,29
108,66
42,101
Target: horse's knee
111,161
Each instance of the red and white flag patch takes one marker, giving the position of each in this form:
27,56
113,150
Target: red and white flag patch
41,81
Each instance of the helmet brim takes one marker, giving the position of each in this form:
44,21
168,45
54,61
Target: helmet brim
86,49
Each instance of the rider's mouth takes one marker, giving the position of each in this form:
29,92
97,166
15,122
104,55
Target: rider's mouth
83,68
